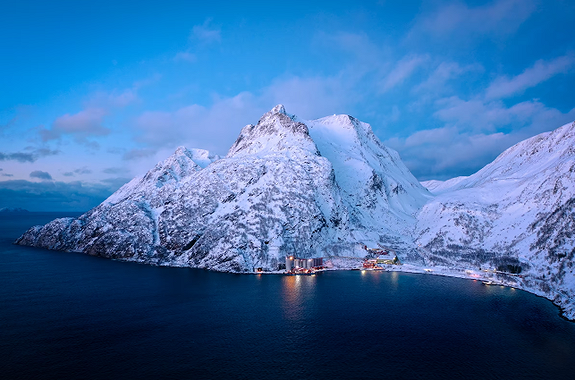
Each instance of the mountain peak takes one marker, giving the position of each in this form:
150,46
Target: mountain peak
279,109
277,114
343,122
275,131
182,150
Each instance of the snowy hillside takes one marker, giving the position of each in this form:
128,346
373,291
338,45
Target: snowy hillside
440,186
316,189
326,188
377,188
515,215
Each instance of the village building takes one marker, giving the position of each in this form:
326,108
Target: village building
389,258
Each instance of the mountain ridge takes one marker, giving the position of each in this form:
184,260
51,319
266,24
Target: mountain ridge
273,194
329,187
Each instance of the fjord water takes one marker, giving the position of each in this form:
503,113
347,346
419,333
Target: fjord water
66,315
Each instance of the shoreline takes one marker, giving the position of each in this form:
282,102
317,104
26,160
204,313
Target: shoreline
496,278
488,278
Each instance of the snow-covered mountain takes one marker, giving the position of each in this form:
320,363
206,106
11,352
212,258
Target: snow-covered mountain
318,188
326,188
516,215
436,186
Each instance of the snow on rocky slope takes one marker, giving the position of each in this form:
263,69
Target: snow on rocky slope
379,192
326,187
516,215
440,186
319,188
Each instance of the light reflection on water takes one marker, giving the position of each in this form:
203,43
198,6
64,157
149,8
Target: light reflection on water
297,293
65,315
395,279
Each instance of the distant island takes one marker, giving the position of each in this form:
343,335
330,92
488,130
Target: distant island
13,210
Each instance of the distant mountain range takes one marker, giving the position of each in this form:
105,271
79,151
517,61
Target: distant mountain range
329,187
12,210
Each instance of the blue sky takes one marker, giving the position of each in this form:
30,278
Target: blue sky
94,94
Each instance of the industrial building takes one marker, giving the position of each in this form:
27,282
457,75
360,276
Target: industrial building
295,264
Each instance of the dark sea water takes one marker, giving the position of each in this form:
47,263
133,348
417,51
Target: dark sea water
65,315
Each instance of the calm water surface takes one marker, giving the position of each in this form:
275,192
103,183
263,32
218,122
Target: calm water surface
65,315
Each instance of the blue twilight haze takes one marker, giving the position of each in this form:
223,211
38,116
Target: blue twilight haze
95,93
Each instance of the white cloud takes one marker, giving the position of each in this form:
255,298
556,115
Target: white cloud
446,71
118,98
89,122
475,132
472,114
185,56
402,70
311,97
137,85
541,71
81,125
487,116
114,98
497,18
447,152
360,50
357,43
206,33
195,126
136,154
